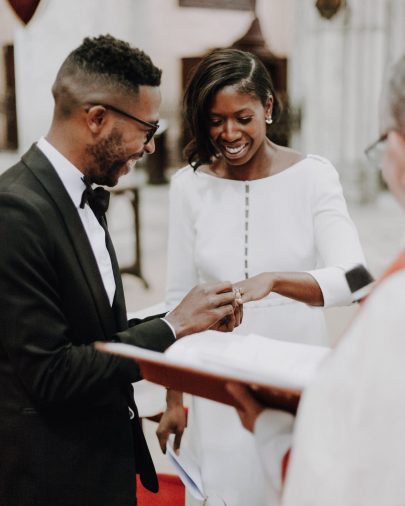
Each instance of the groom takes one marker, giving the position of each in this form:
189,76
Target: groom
69,429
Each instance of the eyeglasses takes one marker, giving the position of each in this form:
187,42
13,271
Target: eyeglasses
375,152
153,127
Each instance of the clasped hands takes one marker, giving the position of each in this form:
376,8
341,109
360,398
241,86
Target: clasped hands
215,306
218,306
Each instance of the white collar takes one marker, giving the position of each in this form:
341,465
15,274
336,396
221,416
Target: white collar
67,172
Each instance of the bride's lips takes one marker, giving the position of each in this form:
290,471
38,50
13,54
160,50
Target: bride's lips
235,150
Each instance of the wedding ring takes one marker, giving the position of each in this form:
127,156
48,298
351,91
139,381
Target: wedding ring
237,292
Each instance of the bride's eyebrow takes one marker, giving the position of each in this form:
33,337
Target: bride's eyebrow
245,110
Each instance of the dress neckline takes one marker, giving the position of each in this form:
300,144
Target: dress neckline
252,181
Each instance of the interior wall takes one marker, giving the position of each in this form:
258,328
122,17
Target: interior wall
164,30
8,24
336,73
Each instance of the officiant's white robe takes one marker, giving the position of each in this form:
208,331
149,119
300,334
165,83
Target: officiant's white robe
349,443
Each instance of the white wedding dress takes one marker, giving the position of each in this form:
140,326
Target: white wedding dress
222,229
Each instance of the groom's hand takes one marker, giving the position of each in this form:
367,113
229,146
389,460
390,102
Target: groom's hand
204,307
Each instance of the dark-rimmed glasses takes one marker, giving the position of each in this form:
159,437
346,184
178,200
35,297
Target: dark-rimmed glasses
152,126
375,152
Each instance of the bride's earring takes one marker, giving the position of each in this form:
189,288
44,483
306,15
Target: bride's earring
269,120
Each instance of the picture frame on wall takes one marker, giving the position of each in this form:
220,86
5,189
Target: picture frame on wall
242,5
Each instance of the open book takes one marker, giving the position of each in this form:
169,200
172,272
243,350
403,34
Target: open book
201,364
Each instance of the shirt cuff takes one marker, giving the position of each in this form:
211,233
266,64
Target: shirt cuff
170,327
333,284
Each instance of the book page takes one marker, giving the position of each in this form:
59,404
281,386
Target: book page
290,365
186,468
202,364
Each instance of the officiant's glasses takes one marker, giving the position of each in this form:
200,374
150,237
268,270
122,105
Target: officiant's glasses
375,152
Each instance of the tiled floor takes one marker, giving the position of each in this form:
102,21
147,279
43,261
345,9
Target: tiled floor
380,226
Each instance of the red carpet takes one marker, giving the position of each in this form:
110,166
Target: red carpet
171,492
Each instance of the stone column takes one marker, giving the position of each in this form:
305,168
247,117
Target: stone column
335,78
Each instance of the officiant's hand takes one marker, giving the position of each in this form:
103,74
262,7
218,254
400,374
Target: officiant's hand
250,407
204,307
173,420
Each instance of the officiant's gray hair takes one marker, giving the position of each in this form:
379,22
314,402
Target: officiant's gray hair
393,103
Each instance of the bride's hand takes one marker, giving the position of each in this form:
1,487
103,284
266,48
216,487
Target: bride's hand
255,288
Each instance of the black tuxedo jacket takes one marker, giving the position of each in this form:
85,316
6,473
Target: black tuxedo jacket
66,438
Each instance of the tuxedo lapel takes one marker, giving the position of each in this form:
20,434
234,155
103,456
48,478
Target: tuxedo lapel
42,169
119,306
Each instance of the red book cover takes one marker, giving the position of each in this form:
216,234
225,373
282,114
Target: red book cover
202,364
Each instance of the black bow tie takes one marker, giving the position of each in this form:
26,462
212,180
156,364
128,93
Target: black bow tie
97,198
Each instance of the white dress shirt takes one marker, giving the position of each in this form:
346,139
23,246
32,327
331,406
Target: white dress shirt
71,179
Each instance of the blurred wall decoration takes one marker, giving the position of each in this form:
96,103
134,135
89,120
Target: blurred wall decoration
328,8
24,9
